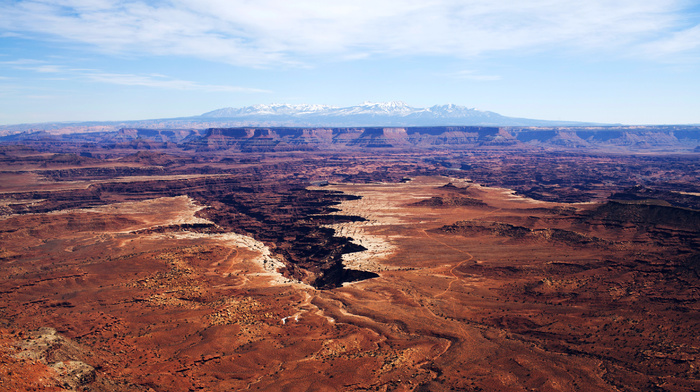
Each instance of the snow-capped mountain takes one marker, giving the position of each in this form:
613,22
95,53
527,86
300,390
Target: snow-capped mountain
393,108
266,110
367,114
395,113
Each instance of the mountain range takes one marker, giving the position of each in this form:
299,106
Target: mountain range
395,113
385,114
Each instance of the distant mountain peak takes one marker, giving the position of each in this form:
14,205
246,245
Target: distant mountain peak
390,104
392,113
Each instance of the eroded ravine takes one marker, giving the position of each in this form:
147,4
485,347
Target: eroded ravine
475,287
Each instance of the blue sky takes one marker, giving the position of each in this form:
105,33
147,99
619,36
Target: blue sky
624,61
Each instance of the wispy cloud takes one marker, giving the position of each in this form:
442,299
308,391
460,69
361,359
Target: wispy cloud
268,32
23,62
42,97
8,34
165,83
680,43
473,75
149,80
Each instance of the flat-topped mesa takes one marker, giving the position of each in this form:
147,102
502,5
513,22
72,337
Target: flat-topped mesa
245,137
280,138
678,137
382,137
156,134
237,133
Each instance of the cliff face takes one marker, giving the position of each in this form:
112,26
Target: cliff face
277,139
282,139
640,137
675,138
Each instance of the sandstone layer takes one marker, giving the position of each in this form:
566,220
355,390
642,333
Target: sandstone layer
395,271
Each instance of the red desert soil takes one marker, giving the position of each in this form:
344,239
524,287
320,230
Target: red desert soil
478,289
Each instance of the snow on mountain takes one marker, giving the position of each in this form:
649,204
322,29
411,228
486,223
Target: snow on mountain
395,113
275,109
394,108
451,110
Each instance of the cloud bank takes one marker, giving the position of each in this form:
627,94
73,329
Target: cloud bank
264,33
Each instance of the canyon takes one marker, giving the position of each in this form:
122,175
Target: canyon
371,258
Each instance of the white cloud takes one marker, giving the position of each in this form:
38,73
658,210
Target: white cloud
42,97
165,83
23,62
149,80
473,75
9,34
269,32
47,68
685,41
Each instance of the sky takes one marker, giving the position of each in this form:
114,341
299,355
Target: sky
623,61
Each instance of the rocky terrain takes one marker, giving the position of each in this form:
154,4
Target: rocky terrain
574,139
392,259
